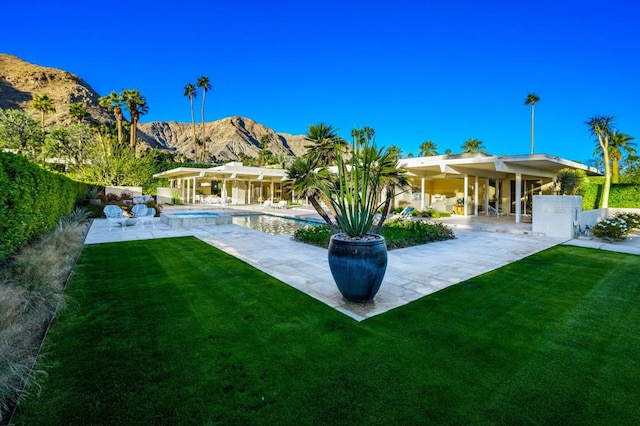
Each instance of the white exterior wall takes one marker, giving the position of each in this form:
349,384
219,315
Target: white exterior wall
164,195
556,216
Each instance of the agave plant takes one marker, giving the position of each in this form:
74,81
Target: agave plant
361,184
353,191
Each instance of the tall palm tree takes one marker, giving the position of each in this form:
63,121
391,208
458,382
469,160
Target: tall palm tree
204,84
602,126
473,145
113,102
427,149
44,104
619,145
395,150
192,92
531,99
136,104
324,138
78,111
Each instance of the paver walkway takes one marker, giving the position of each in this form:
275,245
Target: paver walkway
411,272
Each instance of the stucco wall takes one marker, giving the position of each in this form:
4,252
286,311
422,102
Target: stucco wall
556,216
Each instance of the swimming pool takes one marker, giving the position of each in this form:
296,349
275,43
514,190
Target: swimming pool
274,225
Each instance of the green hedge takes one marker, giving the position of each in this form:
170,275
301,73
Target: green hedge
32,200
621,195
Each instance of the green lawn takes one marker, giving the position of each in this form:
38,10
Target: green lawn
174,331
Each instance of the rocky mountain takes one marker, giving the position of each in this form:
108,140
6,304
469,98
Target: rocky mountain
21,81
227,138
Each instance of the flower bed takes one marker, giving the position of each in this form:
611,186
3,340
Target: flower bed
617,227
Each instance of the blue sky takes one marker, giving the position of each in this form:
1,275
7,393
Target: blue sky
443,71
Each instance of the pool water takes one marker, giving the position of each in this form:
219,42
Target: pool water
274,225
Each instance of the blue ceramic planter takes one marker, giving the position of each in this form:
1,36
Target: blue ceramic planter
358,266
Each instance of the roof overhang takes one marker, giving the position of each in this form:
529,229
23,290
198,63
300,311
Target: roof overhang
234,170
491,166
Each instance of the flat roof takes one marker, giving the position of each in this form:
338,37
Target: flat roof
486,165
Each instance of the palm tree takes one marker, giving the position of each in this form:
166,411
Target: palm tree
324,138
391,177
264,141
306,176
192,92
473,145
427,149
113,102
395,150
136,104
531,99
619,143
602,126
205,85
78,111
44,104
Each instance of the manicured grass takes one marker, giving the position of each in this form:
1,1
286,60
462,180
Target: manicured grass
173,331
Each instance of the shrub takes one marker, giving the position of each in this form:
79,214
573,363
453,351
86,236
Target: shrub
32,200
632,219
407,233
616,227
611,229
314,235
397,233
621,195
31,292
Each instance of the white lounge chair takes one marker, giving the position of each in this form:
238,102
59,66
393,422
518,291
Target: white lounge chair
115,216
139,210
282,204
148,217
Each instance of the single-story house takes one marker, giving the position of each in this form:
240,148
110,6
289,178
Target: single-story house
464,184
233,182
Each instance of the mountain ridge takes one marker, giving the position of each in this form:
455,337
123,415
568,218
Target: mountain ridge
230,137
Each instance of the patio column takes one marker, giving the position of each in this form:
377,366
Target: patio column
518,196
234,193
223,193
194,190
186,195
486,198
476,189
422,182
271,197
466,193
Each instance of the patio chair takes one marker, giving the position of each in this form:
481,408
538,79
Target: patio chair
148,217
139,210
404,214
115,216
282,204
495,211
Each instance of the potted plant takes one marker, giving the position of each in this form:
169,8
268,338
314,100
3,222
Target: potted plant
175,198
359,186
93,194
